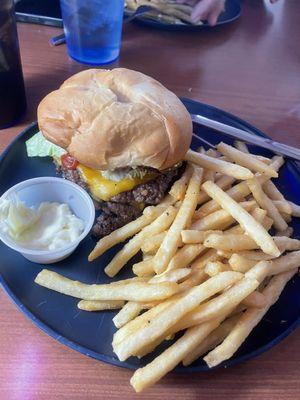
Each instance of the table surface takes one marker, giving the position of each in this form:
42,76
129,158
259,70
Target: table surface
251,69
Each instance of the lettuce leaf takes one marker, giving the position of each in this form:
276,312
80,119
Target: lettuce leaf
38,146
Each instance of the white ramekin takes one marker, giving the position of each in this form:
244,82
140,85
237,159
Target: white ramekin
37,190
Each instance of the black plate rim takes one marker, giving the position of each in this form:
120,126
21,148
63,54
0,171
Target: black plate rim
114,361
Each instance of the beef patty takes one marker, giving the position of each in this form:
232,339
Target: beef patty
126,206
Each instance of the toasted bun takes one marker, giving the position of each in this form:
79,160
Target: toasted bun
109,119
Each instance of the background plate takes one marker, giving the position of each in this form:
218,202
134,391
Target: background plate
91,333
231,13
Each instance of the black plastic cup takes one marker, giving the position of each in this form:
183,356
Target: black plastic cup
12,91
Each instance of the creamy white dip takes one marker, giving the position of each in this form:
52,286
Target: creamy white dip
51,226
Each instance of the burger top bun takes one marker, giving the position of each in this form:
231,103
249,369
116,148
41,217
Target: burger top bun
110,119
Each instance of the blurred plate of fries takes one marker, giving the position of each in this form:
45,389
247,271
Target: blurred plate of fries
169,15
218,256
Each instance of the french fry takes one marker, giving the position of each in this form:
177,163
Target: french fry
136,291
220,219
212,153
191,236
171,241
134,245
194,280
200,262
213,268
272,191
143,268
174,275
132,309
129,311
248,321
179,187
97,305
295,209
217,220
185,256
286,217
241,146
230,242
208,175
288,232
166,361
246,160
152,243
147,256
260,271
240,263
196,277
259,214
223,253
126,231
285,263
238,242
247,222
224,182
129,280
237,192
267,223
263,159
217,165
234,230
264,201
256,255
218,306
212,340
255,299
141,321
283,206
277,163
149,304
287,244
173,313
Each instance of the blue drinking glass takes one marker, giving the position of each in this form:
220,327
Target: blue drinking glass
93,29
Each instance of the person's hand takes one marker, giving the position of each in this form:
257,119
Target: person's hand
208,10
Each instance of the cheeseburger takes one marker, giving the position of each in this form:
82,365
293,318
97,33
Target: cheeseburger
119,134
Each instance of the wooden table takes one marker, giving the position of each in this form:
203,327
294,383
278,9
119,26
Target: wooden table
250,68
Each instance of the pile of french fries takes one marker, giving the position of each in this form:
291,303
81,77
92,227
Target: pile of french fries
168,11
217,253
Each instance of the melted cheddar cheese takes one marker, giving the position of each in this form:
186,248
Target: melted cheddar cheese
102,188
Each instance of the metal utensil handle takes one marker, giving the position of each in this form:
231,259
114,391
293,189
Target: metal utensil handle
269,144
58,40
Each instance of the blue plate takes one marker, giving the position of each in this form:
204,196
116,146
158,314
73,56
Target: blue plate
231,13
91,333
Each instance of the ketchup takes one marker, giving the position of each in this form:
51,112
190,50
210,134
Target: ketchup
68,161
